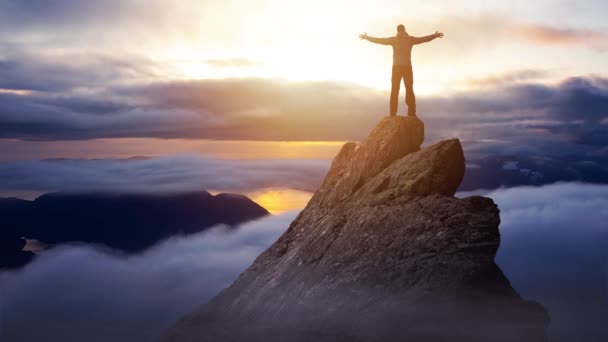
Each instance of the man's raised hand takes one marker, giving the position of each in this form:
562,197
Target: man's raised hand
363,36
438,34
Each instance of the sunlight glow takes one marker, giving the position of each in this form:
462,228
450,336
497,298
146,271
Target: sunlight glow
150,147
280,41
15,91
277,201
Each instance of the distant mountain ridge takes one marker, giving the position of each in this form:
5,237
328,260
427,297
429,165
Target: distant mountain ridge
128,222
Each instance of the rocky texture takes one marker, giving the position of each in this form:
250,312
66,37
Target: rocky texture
391,139
382,252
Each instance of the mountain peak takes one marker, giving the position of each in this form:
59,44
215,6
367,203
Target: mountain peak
383,251
393,138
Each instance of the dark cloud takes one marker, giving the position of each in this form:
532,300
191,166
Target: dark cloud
557,131
498,171
65,73
253,109
42,12
58,117
57,20
565,118
262,109
14,75
76,293
181,173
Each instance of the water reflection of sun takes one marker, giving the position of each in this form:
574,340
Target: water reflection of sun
277,201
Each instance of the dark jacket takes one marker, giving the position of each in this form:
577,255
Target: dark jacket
402,45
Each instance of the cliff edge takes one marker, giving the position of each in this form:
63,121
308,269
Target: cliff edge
382,252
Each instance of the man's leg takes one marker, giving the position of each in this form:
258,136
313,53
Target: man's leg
410,98
395,85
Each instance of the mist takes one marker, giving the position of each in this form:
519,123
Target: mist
90,293
554,250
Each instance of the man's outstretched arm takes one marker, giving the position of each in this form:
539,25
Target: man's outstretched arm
420,40
383,41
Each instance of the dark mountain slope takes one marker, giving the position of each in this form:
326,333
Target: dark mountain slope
129,222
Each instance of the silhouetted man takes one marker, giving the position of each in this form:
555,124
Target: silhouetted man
402,45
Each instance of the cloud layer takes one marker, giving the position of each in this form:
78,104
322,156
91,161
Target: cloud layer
553,250
76,293
553,132
265,109
179,173
570,115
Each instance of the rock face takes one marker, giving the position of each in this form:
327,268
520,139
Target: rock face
393,138
382,252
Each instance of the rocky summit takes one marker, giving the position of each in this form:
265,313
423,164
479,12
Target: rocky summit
382,252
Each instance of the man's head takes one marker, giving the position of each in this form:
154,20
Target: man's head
400,28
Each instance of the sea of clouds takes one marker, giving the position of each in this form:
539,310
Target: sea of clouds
554,250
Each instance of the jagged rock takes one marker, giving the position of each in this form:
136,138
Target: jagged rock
391,139
382,252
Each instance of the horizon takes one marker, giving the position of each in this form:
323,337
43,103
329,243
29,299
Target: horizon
263,85
62,97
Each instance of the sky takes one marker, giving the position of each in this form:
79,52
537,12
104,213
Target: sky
130,41
256,97
283,80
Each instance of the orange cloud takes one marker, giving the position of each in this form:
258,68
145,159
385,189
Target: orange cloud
507,78
552,35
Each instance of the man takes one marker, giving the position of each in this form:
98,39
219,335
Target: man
402,45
